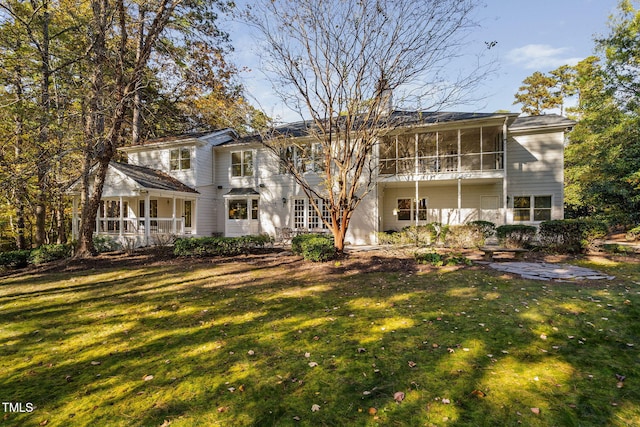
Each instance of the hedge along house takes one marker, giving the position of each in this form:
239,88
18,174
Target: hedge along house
433,167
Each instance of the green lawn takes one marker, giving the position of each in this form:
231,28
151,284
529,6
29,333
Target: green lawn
280,343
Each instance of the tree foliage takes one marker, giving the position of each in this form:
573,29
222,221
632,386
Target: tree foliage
537,94
603,157
81,78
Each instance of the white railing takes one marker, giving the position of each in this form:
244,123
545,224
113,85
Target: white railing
138,226
473,162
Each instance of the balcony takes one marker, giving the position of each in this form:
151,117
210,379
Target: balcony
476,163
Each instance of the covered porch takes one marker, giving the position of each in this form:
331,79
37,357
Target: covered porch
140,207
450,202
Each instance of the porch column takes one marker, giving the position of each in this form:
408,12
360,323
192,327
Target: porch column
459,200
121,219
505,204
194,216
98,217
173,216
74,216
147,221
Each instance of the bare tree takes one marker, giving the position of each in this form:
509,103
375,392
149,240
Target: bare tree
338,63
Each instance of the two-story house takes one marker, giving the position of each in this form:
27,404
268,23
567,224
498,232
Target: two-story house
433,167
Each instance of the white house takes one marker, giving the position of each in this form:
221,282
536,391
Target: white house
434,167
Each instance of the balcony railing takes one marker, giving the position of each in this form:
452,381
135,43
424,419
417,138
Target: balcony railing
138,226
474,162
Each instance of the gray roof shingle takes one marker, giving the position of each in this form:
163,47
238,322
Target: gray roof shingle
151,179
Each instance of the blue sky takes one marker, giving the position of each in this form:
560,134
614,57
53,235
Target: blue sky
532,35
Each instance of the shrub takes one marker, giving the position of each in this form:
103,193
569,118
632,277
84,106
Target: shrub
571,235
14,259
314,247
464,236
106,244
487,228
222,246
516,235
48,253
432,258
438,260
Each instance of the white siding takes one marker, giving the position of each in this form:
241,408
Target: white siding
535,166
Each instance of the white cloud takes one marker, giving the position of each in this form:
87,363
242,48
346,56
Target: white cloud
541,56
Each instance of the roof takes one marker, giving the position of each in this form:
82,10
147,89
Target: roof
151,179
400,118
201,137
545,120
242,192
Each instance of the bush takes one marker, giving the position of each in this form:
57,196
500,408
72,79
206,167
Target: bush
48,253
571,235
415,235
516,236
106,244
464,236
314,247
222,246
438,260
432,258
14,259
487,228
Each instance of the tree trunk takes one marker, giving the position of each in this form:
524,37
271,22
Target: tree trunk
42,165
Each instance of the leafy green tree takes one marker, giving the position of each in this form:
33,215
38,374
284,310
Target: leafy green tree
537,94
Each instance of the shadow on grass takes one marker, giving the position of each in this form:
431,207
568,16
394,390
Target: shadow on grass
261,343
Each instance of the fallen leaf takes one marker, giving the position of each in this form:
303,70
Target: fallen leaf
296,418
543,336
241,388
222,409
479,393
95,363
398,396
313,364
315,408
147,378
535,411
361,350
412,364
446,401
251,352
620,384
231,389
307,355
373,411
44,423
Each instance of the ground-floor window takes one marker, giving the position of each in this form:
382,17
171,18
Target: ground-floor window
306,216
238,209
243,209
532,208
406,209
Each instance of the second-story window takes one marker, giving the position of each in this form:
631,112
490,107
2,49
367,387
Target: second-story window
180,159
242,163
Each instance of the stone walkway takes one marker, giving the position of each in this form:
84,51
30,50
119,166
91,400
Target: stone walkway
546,271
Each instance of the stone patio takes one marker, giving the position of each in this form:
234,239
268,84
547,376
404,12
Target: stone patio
546,271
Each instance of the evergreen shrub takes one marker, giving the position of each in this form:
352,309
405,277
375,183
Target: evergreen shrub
516,236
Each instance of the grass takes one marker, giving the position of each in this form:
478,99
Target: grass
241,343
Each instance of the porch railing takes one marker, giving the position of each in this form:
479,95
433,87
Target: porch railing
138,226
473,162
